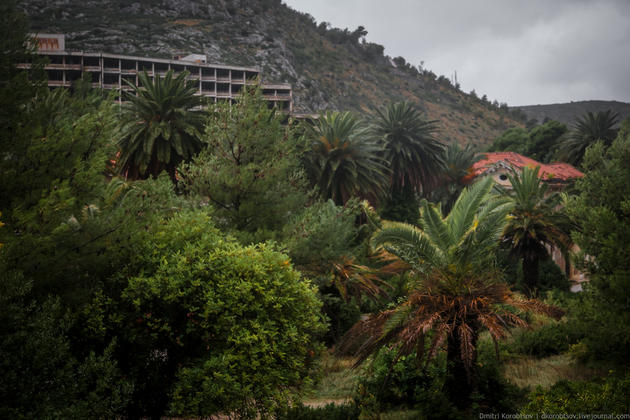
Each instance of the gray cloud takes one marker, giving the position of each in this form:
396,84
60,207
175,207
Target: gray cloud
520,52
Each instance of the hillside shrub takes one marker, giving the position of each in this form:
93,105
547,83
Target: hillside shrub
610,396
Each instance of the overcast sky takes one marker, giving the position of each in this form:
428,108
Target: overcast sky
522,52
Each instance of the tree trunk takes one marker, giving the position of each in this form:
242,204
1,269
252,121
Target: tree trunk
461,382
530,275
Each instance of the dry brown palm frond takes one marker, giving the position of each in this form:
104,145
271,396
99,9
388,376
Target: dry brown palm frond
534,305
496,328
365,337
392,265
352,279
441,332
467,346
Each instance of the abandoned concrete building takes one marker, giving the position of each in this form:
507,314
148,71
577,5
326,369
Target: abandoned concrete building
109,71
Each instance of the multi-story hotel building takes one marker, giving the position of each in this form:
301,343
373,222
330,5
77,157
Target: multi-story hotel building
109,71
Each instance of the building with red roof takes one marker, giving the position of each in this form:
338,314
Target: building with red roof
499,164
557,175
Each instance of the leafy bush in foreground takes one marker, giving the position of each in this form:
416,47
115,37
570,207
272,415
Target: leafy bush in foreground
207,325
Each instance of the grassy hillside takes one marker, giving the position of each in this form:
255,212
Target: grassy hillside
329,68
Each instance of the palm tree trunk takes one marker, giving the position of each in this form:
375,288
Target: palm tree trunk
461,382
530,275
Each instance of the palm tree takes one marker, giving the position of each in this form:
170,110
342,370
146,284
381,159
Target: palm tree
535,223
456,291
458,163
586,131
159,129
343,161
409,146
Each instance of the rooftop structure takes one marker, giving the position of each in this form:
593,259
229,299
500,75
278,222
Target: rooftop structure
109,71
498,164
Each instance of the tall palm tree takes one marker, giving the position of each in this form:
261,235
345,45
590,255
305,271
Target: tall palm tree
587,130
535,222
160,130
457,289
343,161
410,147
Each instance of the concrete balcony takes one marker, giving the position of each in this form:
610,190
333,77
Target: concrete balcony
59,83
63,67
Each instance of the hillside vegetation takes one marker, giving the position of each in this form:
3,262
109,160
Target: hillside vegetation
568,113
329,68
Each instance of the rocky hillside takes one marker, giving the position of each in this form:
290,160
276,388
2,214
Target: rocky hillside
568,113
329,68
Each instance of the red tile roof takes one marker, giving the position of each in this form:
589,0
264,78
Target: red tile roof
552,171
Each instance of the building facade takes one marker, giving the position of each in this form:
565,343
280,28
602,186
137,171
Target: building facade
110,71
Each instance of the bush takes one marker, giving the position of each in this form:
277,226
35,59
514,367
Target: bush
390,383
551,277
328,412
549,339
42,377
321,233
207,325
609,396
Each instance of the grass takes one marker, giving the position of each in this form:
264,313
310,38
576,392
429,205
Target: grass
532,372
338,381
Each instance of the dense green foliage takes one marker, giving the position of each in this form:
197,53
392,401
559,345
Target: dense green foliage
208,325
393,381
607,397
42,375
602,211
540,143
249,170
546,340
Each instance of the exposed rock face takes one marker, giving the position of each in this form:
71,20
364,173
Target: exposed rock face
328,68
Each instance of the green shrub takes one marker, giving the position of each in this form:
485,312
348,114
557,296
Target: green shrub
207,325
328,412
321,233
549,339
42,376
609,396
551,277
390,383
